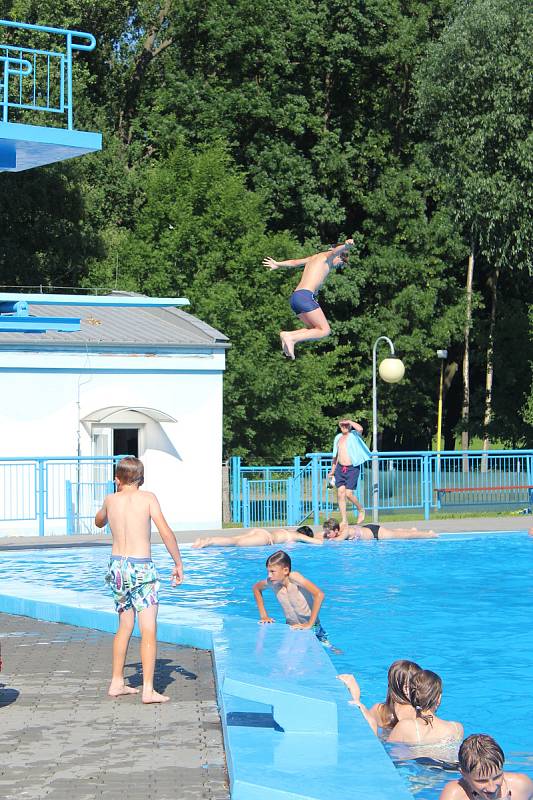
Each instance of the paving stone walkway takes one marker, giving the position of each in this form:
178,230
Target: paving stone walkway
62,737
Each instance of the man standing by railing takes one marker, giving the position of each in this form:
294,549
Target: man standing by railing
349,453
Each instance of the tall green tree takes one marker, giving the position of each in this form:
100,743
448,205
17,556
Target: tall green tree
474,94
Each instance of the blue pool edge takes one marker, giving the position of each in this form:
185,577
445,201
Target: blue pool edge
326,750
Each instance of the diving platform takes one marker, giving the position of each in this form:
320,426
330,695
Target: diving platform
36,103
27,146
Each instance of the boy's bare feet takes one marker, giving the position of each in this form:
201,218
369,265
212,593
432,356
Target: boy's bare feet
287,345
118,689
361,516
154,697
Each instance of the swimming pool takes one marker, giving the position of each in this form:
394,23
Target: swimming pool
459,605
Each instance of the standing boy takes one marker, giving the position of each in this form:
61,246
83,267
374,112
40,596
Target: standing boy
132,575
481,762
349,452
303,301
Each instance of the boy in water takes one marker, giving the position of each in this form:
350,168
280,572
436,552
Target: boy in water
481,762
299,598
303,301
349,454
132,575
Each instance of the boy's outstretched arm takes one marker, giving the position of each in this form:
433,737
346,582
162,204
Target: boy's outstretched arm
169,540
317,594
291,262
258,590
100,519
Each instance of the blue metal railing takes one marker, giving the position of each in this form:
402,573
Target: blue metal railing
40,79
47,489
420,481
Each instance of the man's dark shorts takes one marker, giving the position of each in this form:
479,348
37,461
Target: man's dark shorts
346,476
303,300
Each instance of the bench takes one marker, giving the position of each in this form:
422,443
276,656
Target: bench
473,489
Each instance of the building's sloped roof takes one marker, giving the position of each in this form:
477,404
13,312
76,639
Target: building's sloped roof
108,326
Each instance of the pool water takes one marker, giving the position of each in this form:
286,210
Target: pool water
458,605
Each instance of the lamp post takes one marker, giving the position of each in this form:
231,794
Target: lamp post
391,370
443,355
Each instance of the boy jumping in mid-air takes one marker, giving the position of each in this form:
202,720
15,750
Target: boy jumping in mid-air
303,301
132,575
481,762
299,598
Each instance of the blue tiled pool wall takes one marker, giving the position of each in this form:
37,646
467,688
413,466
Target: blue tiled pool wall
323,759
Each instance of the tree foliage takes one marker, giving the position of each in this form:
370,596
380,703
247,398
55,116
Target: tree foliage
236,129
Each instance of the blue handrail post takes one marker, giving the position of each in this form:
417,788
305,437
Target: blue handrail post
290,502
235,477
40,494
245,503
426,485
70,116
111,489
315,479
69,510
297,489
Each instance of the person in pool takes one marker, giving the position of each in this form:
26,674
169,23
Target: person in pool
481,761
303,301
333,530
397,704
299,598
426,727
260,537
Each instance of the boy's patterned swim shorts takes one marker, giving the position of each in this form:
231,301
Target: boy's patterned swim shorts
133,582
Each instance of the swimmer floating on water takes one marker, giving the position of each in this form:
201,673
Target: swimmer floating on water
303,301
260,537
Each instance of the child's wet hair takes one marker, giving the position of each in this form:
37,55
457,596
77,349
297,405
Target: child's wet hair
130,470
426,690
399,689
479,754
279,557
306,530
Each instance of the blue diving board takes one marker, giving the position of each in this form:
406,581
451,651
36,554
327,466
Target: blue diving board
36,81
15,311
24,147
114,301
18,324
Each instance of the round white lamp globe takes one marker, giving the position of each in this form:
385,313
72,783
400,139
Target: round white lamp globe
391,370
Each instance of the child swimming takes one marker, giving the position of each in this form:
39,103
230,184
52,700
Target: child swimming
299,598
426,727
481,761
397,704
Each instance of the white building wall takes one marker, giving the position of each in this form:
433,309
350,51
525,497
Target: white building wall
41,406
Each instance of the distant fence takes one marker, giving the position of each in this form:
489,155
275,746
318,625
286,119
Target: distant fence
416,481
50,490
38,78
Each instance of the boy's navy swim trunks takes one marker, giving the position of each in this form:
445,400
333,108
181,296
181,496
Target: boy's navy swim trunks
303,300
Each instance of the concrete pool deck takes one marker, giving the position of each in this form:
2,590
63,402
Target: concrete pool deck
62,737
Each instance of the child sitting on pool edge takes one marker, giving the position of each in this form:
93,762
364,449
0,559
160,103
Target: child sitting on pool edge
299,598
481,761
